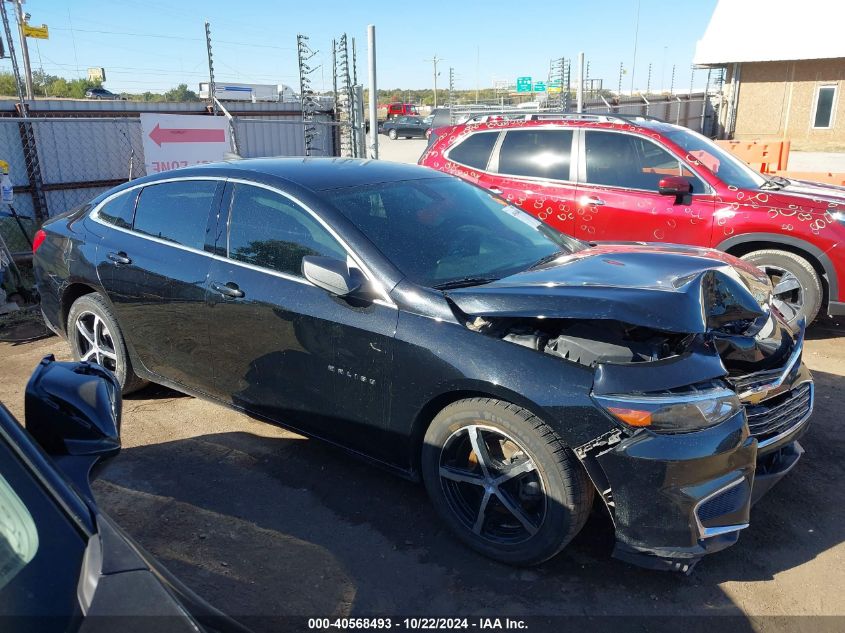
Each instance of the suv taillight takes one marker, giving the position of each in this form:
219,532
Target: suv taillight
38,239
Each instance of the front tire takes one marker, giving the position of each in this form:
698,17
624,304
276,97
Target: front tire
798,290
392,135
95,336
503,481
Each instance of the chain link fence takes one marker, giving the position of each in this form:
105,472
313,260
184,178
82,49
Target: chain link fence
57,163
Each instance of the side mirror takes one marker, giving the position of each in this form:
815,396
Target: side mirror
333,275
73,409
677,186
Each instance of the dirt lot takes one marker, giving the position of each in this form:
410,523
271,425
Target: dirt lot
263,522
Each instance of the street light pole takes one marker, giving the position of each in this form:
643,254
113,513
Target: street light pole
24,50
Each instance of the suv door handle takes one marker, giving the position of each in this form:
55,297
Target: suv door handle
591,201
119,258
229,289
495,190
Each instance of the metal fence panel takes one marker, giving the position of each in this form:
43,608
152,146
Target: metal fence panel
83,150
281,136
11,150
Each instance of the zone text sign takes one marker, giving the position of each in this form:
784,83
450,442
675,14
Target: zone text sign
176,140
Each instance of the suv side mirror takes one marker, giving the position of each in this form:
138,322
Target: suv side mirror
73,409
333,275
677,186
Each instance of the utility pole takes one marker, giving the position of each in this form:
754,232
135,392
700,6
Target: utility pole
24,49
636,37
580,88
434,61
477,64
373,105
451,84
13,57
212,89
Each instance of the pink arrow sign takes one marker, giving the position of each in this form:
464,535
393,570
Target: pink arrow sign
181,135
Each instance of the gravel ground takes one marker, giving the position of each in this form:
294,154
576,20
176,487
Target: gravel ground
263,522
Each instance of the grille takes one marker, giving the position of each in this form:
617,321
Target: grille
756,380
725,503
779,414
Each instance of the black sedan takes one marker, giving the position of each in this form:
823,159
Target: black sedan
427,325
64,565
406,127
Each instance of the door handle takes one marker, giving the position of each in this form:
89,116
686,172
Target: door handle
119,258
229,289
591,201
495,190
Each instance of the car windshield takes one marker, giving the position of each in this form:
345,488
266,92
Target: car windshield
730,169
443,231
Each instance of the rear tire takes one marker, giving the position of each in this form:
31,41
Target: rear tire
95,336
542,498
798,286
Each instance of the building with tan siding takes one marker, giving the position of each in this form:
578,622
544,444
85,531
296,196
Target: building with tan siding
785,70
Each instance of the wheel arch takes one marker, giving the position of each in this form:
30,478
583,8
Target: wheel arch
440,401
70,294
740,245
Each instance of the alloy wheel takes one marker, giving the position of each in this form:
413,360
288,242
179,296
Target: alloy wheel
788,294
492,484
94,341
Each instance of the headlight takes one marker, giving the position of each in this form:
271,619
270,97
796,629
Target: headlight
670,413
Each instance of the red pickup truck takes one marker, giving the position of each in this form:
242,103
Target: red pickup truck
401,109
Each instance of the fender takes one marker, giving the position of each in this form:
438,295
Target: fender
777,238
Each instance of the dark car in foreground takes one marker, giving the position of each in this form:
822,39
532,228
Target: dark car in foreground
64,565
423,323
606,177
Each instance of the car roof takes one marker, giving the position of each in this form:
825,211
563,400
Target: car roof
320,174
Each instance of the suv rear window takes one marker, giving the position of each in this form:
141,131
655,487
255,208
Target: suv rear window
176,211
536,153
474,151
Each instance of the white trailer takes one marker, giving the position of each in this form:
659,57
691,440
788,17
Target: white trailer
248,92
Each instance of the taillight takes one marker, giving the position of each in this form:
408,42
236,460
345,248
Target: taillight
38,239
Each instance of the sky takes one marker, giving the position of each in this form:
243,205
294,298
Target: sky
155,45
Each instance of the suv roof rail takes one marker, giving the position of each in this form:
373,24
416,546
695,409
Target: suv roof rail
516,115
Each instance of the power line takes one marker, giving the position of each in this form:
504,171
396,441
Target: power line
171,37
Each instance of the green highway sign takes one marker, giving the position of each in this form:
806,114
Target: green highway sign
523,84
540,86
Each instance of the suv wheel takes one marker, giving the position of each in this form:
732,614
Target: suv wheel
797,286
503,481
392,135
95,336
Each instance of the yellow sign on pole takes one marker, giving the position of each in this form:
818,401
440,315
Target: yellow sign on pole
38,32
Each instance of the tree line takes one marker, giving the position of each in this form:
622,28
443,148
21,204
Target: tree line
52,86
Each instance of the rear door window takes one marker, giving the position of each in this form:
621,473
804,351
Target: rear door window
474,150
269,230
119,211
176,211
536,153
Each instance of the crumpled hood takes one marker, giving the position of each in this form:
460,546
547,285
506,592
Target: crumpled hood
665,287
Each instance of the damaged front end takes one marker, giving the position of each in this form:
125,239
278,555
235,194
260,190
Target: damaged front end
700,380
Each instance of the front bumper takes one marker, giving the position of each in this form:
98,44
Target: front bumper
677,498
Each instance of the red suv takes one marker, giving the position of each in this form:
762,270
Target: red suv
610,178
